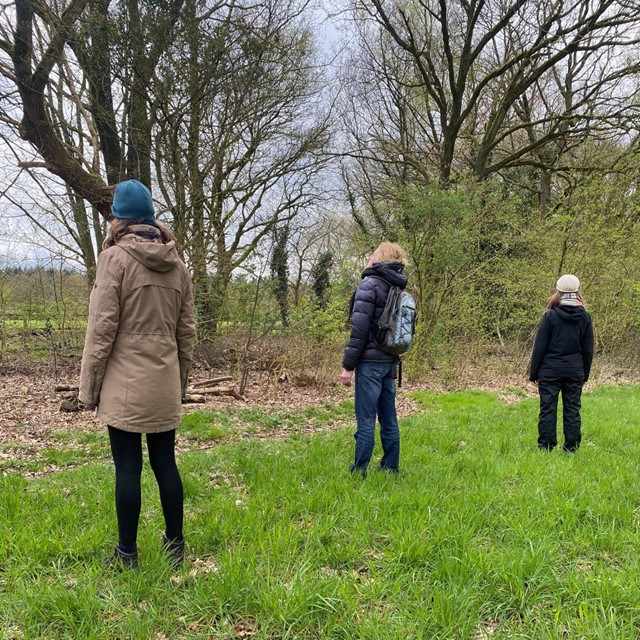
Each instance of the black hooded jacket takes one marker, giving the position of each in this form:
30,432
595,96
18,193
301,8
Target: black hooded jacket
366,308
564,345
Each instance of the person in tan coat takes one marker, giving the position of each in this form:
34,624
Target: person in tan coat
137,354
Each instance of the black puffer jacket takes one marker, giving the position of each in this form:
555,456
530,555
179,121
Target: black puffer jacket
367,306
564,345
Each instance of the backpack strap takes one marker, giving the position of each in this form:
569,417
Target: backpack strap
351,303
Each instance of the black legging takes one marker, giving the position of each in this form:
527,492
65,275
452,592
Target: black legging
126,449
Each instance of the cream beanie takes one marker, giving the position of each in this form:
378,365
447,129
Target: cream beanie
568,284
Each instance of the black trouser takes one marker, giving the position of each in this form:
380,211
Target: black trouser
549,389
126,449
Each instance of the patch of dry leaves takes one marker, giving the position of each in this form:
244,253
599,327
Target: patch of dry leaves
29,412
31,420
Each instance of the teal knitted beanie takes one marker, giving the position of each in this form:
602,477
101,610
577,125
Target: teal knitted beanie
132,200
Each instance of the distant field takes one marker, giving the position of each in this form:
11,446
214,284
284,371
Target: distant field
41,337
481,536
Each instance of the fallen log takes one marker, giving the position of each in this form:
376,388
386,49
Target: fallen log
217,391
204,383
191,398
214,391
66,387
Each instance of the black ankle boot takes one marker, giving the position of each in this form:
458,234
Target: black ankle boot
121,560
174,550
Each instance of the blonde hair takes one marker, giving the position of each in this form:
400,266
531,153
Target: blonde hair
555,299
120,227
391,252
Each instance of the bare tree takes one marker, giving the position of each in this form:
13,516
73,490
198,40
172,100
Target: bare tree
493,85
29,64
243,135
102,64
216,102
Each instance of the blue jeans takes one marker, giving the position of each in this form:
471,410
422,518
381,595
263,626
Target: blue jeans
376,396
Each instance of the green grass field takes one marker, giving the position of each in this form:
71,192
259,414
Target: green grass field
480,537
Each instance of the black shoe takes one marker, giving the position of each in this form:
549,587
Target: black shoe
358,471
174,550
390,470
121,560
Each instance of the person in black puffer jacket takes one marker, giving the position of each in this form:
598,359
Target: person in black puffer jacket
375,370
561,362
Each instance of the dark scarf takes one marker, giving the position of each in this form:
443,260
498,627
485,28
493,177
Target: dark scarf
148,230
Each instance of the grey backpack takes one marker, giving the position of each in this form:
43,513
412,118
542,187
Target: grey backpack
397,323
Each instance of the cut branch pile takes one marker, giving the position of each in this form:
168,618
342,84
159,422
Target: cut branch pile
196,393
198,390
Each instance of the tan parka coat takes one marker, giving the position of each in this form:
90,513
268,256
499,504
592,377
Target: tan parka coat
139,342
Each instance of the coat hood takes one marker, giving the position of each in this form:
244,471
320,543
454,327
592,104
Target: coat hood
571,315
149,249
389,271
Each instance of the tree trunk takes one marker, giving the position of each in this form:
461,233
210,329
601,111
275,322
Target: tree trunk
138,160
35,127
95,61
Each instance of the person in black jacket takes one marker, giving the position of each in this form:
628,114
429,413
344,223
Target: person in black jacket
375,370
561,363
